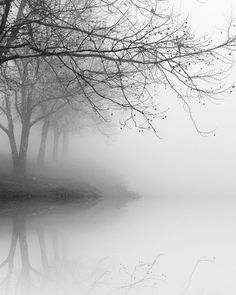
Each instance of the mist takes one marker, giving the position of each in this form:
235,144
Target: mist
183,210
111,207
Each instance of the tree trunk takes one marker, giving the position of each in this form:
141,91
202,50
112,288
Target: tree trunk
56,134
65,144
43,142
21,165
14,153
11,137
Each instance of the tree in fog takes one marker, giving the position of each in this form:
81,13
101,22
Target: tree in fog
75,118
125,46
64,122
118,54
27,88
61,122
43,138
34,91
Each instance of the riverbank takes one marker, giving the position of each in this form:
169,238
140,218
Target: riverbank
38,191
56,187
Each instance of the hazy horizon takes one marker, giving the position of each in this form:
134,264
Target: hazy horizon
186,210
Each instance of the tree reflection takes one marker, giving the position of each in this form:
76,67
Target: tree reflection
10,258
21,277
42,244
18,236
37,262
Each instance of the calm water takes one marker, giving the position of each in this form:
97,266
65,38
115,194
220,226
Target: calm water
160,246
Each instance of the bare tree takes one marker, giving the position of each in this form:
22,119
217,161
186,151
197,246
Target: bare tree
116,55
43,141
120,50
24,92
74,118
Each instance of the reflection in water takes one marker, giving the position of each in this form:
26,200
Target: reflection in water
18,236
83,252
34,239
46,254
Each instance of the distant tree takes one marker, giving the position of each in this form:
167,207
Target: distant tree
64,122
72,119
43,140
27,87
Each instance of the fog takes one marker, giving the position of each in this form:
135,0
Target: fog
185,213
166,221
